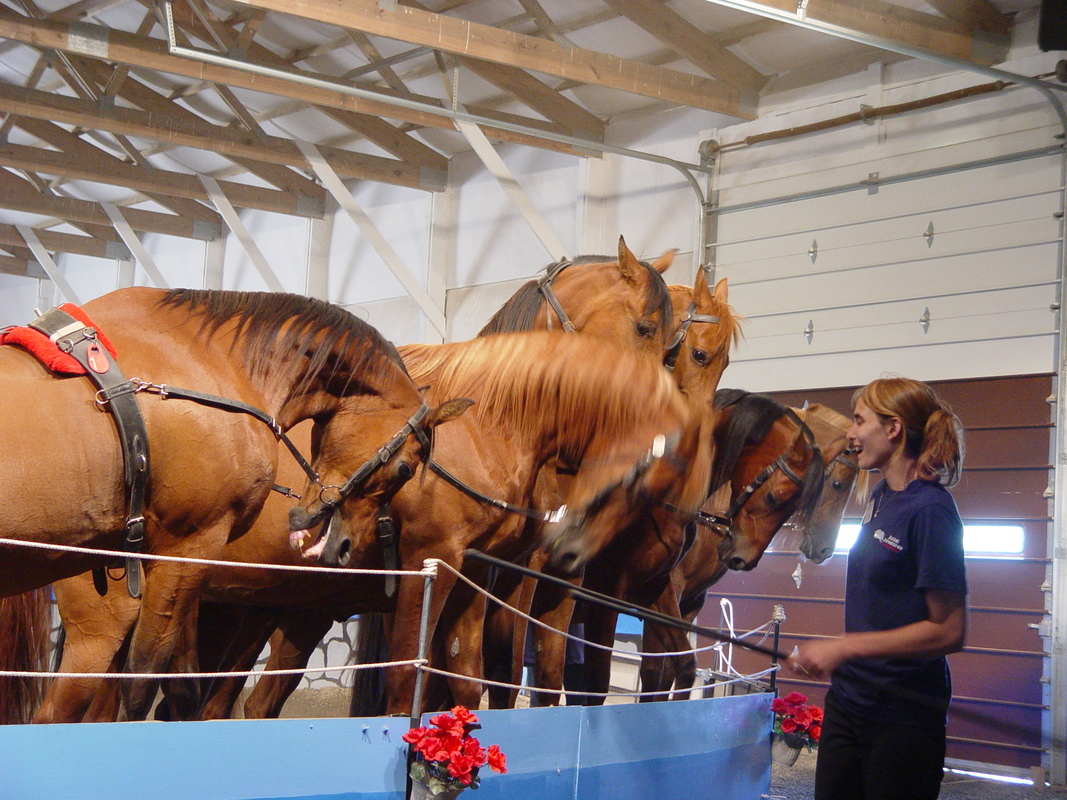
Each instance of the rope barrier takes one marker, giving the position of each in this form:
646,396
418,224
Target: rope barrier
208,561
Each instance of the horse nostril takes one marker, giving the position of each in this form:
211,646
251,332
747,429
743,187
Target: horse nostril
344,553
737,563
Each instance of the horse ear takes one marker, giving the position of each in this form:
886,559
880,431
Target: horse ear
721,291
447,411
629,266
662,263
701,293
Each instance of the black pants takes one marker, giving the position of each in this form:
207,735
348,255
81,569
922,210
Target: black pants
863,760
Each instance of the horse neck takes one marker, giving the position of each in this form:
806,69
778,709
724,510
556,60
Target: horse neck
378,385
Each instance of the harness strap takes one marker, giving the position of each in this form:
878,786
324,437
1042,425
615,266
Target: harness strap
165,392
544,285
81,342
390,543
470,491
674,346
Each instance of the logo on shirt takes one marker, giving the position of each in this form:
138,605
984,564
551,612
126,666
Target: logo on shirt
888,540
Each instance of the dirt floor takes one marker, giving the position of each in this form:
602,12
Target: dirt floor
797,783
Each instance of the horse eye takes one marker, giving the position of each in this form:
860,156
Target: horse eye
404,470
700,357
772,501
646,330
838,486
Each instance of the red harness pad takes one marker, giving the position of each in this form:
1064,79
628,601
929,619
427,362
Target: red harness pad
45,350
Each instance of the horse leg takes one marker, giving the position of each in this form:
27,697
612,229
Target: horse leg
463,621
404,639
554,607
25,632
600,629
230,639
168,615
502,631
298,634
95,631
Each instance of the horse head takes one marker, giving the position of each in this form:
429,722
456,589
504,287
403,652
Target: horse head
705,327
841,475
362,461
622,299
612,491
774,470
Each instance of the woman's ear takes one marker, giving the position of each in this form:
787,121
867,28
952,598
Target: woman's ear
894,429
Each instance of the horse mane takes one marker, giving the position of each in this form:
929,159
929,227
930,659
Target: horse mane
751,417
521,309
338,342
584,383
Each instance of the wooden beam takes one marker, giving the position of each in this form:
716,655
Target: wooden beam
156,123
178,184
975,15
99,161
530,91
56,242
124,48
10,265
18,195
516,50
879,20
690,42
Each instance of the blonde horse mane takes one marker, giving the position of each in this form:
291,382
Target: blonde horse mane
583,383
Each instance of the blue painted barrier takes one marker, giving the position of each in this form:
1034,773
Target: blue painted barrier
686,750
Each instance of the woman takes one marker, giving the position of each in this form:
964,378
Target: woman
883,735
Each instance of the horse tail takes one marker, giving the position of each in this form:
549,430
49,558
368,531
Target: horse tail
371,647
25,642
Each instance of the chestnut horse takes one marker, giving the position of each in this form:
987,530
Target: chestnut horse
255,364
702,568
766,461
539,396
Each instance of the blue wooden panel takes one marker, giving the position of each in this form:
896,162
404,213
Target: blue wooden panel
620,751
634,752
223,760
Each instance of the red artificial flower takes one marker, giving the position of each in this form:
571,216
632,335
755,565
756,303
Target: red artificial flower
816,713
788,726
780,706
460,766
415,735
815,731
447,723
793,698
498,762
802,717
464,715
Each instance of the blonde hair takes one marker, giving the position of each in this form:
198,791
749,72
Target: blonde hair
933,435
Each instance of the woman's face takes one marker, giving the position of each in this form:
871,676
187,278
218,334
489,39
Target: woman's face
870,436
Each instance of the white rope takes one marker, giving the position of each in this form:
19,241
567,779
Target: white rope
564,693
254,673
210,562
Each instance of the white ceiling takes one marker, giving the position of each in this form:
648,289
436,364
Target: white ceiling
94,107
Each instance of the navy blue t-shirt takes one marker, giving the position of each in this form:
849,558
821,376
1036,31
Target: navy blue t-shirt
910,541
